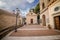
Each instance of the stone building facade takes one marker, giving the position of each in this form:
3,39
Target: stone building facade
50,13
31,18
8,19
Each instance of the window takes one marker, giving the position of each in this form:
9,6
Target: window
43,5
48,0
56,9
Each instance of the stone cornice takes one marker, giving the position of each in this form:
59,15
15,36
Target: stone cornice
56,13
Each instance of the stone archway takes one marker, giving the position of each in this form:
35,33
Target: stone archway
44,20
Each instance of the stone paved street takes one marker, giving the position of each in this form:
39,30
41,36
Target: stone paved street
33,32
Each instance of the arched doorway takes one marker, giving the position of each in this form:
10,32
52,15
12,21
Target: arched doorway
31,21
44,20
57,22
20,22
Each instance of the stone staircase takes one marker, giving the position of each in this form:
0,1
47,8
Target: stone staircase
33,32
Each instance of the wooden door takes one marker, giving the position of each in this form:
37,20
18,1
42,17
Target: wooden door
57,22
31,21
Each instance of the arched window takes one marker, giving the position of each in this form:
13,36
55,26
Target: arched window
43,5
48,0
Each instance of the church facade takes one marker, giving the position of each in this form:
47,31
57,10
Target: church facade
31,18
50,13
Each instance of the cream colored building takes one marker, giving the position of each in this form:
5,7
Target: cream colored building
50,13
31,18
8,19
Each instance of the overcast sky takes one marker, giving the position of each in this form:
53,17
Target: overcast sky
23,5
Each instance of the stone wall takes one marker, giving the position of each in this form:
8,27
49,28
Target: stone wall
7,19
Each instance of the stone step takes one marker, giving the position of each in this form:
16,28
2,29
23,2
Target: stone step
57,37
33,32
33,29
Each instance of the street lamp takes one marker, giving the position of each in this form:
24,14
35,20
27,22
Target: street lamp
17,13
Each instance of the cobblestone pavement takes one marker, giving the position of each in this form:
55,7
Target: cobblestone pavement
33,32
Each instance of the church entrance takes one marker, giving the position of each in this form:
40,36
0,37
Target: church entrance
31,21
57,22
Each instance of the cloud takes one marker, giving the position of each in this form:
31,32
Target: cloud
30,1
8,4
24,12
24,5
2,3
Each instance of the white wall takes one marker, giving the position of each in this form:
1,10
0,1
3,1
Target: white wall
53,13
46,13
